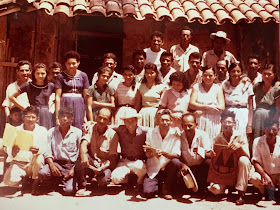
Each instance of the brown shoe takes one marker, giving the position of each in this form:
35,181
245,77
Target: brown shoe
168,197
165,193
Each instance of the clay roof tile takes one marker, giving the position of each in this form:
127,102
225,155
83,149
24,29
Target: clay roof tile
129,10
193,15
47,6
62,8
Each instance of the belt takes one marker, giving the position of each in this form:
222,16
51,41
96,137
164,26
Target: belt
236,106
62,162
71,95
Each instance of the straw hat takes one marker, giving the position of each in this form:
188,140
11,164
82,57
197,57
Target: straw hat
220,34
130,113
189,180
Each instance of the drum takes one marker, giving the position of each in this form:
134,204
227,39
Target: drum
224,166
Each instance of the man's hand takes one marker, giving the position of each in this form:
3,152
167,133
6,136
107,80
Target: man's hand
84,161
267,180
249,129
198,113
55,171
210,154
34,150
15,150
234,146
70,174
149,153
184,168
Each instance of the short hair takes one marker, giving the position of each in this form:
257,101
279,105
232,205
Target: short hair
32,109
39,66
225,114
189,114
233,65
139,52
195,55
104,69
15,109
254,56
66,110
163,112
269,122
109,55
205,68
55,65
104,108
72,54
180,77
154,68
24,62
186,28
226,61
167,53
157,34
133,70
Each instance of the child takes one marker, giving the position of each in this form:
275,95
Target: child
126,93
100,95
38,92
177,98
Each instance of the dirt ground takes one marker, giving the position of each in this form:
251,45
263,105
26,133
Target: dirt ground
118,199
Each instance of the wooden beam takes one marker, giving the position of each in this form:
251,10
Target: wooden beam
8,64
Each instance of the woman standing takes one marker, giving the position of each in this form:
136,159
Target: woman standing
71,88
150,91
38,93
267,100
239,98
208,98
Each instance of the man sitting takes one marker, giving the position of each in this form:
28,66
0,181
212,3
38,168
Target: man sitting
98,152
196,148
131,138
62,152
266,152
27,163
162,151
235,142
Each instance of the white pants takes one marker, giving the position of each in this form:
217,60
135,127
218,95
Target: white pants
244,171
257,181
17,170
126,167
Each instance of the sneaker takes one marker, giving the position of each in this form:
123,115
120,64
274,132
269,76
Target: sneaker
82,193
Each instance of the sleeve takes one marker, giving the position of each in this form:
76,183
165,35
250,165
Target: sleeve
114,145
250,89
43,142
48,151
86,82
90,90
206,143
176,147
277,93
203,61
87,136
256,152
59,81
24,87
111,91
164,99
52,89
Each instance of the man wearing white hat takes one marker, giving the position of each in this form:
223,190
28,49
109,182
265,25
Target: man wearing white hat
131,139
211,57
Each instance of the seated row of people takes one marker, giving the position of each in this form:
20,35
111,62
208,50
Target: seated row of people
155,155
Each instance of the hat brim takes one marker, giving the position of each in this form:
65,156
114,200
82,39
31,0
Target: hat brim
213,35
189,172
133,116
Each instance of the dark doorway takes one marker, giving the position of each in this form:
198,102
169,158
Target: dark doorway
95,37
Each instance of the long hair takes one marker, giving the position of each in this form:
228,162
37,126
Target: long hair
154,68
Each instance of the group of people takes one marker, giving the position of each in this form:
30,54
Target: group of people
160,119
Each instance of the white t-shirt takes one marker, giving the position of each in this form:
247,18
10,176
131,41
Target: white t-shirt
154,57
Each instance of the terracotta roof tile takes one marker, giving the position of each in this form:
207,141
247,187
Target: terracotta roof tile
204,11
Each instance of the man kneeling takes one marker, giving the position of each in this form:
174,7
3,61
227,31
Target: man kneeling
62,152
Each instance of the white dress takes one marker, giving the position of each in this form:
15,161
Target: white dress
236,100
210,123
150,101
126,98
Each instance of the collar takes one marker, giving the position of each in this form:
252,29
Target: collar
213,53
71,130
177,94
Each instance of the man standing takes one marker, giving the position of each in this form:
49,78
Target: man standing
253,69
23,71
110,60
182,51
62,152
221,71
139,60
27,163
235,142
194,74
166,60
220,40
131,139
196,147
162,151
266,152
154,51
98,152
